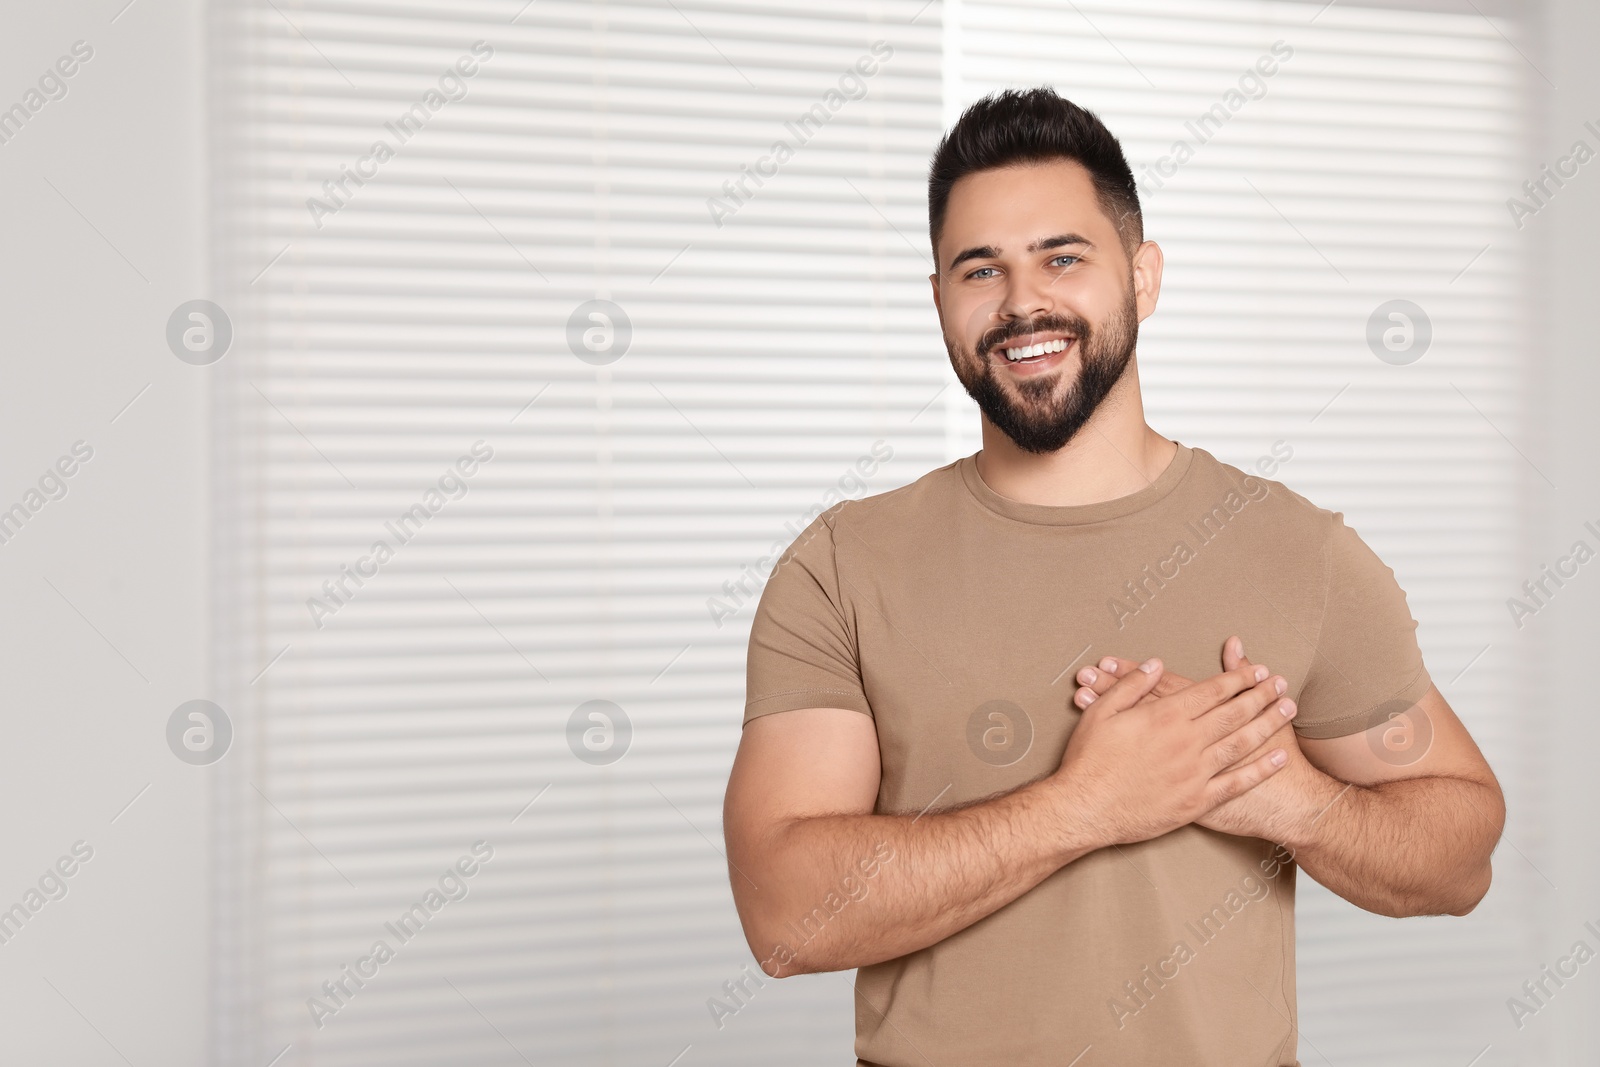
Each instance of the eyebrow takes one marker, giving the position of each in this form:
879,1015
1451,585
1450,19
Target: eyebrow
1044,244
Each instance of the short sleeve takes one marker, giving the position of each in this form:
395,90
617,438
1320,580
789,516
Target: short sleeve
1367,666
802,646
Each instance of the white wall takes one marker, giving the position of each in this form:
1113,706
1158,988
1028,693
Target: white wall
84,333
1569,629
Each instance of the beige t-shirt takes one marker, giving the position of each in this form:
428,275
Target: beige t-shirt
957,618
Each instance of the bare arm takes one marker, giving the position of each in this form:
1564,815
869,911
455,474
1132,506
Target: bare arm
1399,838
1399,820
823,883
799,828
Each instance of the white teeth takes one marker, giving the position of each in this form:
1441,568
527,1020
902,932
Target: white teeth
1039,349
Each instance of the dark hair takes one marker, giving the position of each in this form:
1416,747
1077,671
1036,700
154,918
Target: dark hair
1034,126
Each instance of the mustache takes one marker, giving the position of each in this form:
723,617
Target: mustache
995,336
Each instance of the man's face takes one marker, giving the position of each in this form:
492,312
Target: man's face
1027,258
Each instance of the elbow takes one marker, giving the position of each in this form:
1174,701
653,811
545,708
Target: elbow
1477,889
776,959
1459,897
1465,890
1471,889
780,954
772,968
766,939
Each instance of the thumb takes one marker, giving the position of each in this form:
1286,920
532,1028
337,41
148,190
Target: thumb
1233,656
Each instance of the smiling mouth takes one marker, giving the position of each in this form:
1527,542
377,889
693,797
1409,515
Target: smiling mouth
1029,353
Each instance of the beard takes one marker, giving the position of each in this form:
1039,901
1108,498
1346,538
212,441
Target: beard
1041,414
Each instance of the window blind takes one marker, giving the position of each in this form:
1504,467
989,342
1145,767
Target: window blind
677,340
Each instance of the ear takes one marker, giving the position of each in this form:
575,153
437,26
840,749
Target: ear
1146,269
933,281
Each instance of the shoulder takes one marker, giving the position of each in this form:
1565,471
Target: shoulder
1274,505
837,522
1287,526
906,507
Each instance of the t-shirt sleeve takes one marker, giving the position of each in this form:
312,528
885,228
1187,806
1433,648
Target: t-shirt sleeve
1367,666
802,641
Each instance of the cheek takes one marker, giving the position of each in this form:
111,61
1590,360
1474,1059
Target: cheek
978,314
1102,311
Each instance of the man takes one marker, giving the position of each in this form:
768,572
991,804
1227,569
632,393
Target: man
1026,872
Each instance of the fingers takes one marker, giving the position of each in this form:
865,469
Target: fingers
1095,681
1224,787
1127,691
1231,714
1206,696
1263,713
1110,668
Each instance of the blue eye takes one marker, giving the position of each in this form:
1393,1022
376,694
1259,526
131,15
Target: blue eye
1064,261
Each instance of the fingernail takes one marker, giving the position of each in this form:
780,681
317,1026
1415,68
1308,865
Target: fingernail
1148,666
1261,674
1281,686
1279,758
1239,644
1287,707
1086,697
1108,664
1087,676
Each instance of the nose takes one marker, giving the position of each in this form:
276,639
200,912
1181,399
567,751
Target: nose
1025,298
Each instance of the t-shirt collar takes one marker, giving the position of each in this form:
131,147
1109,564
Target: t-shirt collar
1075,514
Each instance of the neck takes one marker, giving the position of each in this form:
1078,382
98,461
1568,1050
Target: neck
1115,453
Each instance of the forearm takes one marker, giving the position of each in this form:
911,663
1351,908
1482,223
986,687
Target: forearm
1417,846
817,908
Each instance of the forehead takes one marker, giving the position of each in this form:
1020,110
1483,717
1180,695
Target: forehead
1007,207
